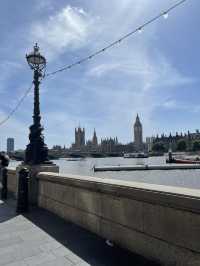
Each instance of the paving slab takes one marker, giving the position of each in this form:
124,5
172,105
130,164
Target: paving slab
41,238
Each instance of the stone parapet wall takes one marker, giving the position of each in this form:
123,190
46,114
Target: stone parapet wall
158,222
13,177
12,181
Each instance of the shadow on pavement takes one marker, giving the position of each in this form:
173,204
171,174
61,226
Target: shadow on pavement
7,211
84,244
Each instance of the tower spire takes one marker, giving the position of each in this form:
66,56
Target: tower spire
137,120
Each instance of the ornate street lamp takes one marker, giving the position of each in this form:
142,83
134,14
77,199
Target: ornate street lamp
36,151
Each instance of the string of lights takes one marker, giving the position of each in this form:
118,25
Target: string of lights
102,50
17,106
84,59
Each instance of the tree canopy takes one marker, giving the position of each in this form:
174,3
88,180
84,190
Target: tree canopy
182,146
158,147
196,146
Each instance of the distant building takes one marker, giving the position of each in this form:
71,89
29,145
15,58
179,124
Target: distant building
138,141
109,145
79,138
171,142
94,140
57,147
10,145
149,143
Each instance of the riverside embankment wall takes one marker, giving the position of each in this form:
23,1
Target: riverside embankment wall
158,222
12,181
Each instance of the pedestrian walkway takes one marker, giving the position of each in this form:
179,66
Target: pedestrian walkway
41,238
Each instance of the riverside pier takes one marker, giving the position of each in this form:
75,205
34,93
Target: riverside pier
146,167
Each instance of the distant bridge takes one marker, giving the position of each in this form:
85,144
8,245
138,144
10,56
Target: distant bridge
94,154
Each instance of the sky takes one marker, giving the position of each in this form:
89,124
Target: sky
154,73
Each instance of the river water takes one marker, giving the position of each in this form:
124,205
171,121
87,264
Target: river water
181,178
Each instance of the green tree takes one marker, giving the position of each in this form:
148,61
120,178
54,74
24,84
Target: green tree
196,145
158,147
182,146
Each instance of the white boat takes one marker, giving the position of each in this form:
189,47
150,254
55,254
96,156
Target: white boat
135,155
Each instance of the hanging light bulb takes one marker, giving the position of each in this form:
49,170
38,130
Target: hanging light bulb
165,15
140,30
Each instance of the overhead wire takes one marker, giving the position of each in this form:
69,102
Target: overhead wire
138,29
17,106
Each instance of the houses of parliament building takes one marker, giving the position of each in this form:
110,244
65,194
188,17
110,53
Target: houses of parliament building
112,145
105,145
108,145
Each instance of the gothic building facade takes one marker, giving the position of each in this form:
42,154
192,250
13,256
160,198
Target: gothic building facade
109,145
138,138
79,138
92,145
171,142
81,143
95,140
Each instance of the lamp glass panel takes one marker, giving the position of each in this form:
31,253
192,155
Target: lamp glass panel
36,60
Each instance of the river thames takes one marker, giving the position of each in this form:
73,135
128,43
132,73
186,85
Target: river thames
181,178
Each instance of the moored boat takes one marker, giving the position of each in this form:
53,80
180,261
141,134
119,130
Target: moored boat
182,161
136,155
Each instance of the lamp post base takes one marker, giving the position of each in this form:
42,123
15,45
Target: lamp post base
36,150
33,180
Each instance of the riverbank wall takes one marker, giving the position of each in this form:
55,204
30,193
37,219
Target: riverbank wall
157,222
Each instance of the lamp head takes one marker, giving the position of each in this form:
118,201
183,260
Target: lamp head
35,60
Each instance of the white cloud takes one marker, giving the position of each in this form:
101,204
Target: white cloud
170,104
7,69
168,75
103,69
173,104
44,4
68,28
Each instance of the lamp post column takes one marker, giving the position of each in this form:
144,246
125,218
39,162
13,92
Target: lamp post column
36,112
36,150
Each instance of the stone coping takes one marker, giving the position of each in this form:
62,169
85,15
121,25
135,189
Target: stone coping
12,169
175,197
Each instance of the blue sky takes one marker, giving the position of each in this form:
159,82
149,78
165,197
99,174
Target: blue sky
155,73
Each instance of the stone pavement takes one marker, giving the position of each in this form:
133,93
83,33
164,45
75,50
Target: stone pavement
41,238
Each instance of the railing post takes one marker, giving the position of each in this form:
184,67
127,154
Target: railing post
4,175
22,196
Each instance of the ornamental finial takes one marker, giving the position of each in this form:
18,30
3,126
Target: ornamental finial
36,48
